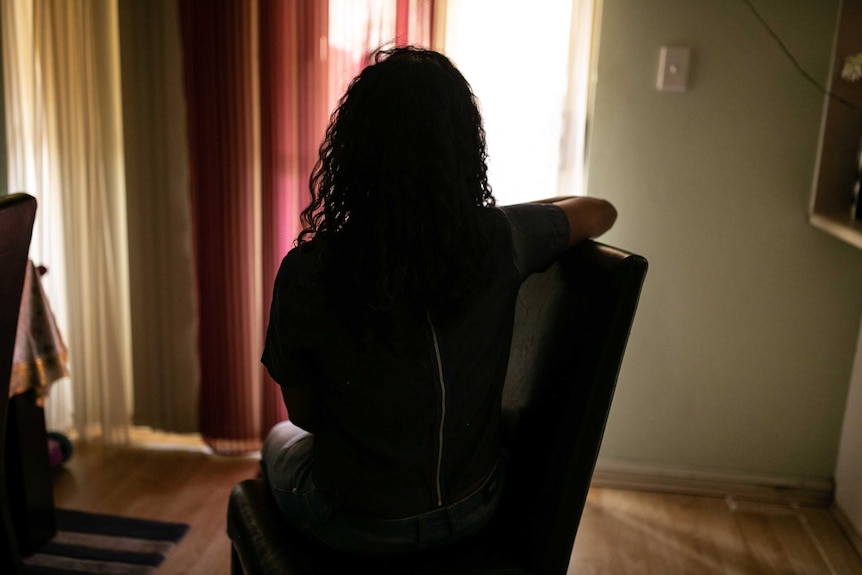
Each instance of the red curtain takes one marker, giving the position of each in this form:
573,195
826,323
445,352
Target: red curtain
293,111
300,74
217,45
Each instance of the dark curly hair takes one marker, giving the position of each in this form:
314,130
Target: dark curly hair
400,190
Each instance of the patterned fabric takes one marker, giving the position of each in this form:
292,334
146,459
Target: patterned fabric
40,355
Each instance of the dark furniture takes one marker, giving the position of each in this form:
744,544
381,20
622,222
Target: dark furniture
17,214
28,474
571,329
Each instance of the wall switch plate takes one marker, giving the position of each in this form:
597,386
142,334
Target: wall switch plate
673,68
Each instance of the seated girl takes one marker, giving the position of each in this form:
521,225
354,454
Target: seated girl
392,318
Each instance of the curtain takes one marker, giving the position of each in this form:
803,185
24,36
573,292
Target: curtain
217,40
127,222
294,102
414,22
355,28
27,145
161,268
254,128
64,140
573,145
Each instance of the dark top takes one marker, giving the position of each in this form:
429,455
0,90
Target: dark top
403,427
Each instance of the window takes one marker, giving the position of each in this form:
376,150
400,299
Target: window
528,64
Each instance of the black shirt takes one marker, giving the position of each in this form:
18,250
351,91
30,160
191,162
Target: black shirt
404,429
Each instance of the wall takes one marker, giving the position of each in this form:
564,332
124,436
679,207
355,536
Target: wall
848,473
742,350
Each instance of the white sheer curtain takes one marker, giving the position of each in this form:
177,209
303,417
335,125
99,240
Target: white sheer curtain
29,171
576,105
64,139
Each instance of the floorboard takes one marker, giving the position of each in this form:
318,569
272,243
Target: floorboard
180,483
621,532
630,532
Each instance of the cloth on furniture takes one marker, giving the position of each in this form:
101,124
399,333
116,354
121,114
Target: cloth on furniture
40,356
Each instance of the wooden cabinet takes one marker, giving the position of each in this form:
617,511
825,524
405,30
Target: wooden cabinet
840,138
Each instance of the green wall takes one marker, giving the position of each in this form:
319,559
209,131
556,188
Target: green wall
741,353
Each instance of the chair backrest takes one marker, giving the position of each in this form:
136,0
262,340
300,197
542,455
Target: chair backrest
17,214
571,329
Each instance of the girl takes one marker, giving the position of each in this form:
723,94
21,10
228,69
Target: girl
391,320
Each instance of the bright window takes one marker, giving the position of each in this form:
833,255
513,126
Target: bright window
527,64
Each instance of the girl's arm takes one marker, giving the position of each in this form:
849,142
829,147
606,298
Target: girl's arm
588,217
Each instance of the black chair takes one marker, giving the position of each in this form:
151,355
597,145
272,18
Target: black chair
571,330
17,214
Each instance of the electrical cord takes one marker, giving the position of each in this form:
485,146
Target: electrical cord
811,80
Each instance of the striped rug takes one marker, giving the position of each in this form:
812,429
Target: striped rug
104,544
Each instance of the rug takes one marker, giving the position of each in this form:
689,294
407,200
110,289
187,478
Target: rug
90,543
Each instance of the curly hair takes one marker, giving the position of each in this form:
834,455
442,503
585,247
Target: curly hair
400,190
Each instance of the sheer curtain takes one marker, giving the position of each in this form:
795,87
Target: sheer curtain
572,178
29,171
64,139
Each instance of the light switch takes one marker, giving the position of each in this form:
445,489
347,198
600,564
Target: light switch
673,68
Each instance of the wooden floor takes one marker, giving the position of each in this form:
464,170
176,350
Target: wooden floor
626,532
184,484
622,532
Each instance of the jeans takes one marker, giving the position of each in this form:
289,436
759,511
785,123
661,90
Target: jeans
287,463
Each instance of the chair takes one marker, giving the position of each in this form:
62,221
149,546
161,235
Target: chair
571,329
17,214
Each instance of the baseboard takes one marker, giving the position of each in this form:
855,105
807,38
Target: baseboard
847,527
709,483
